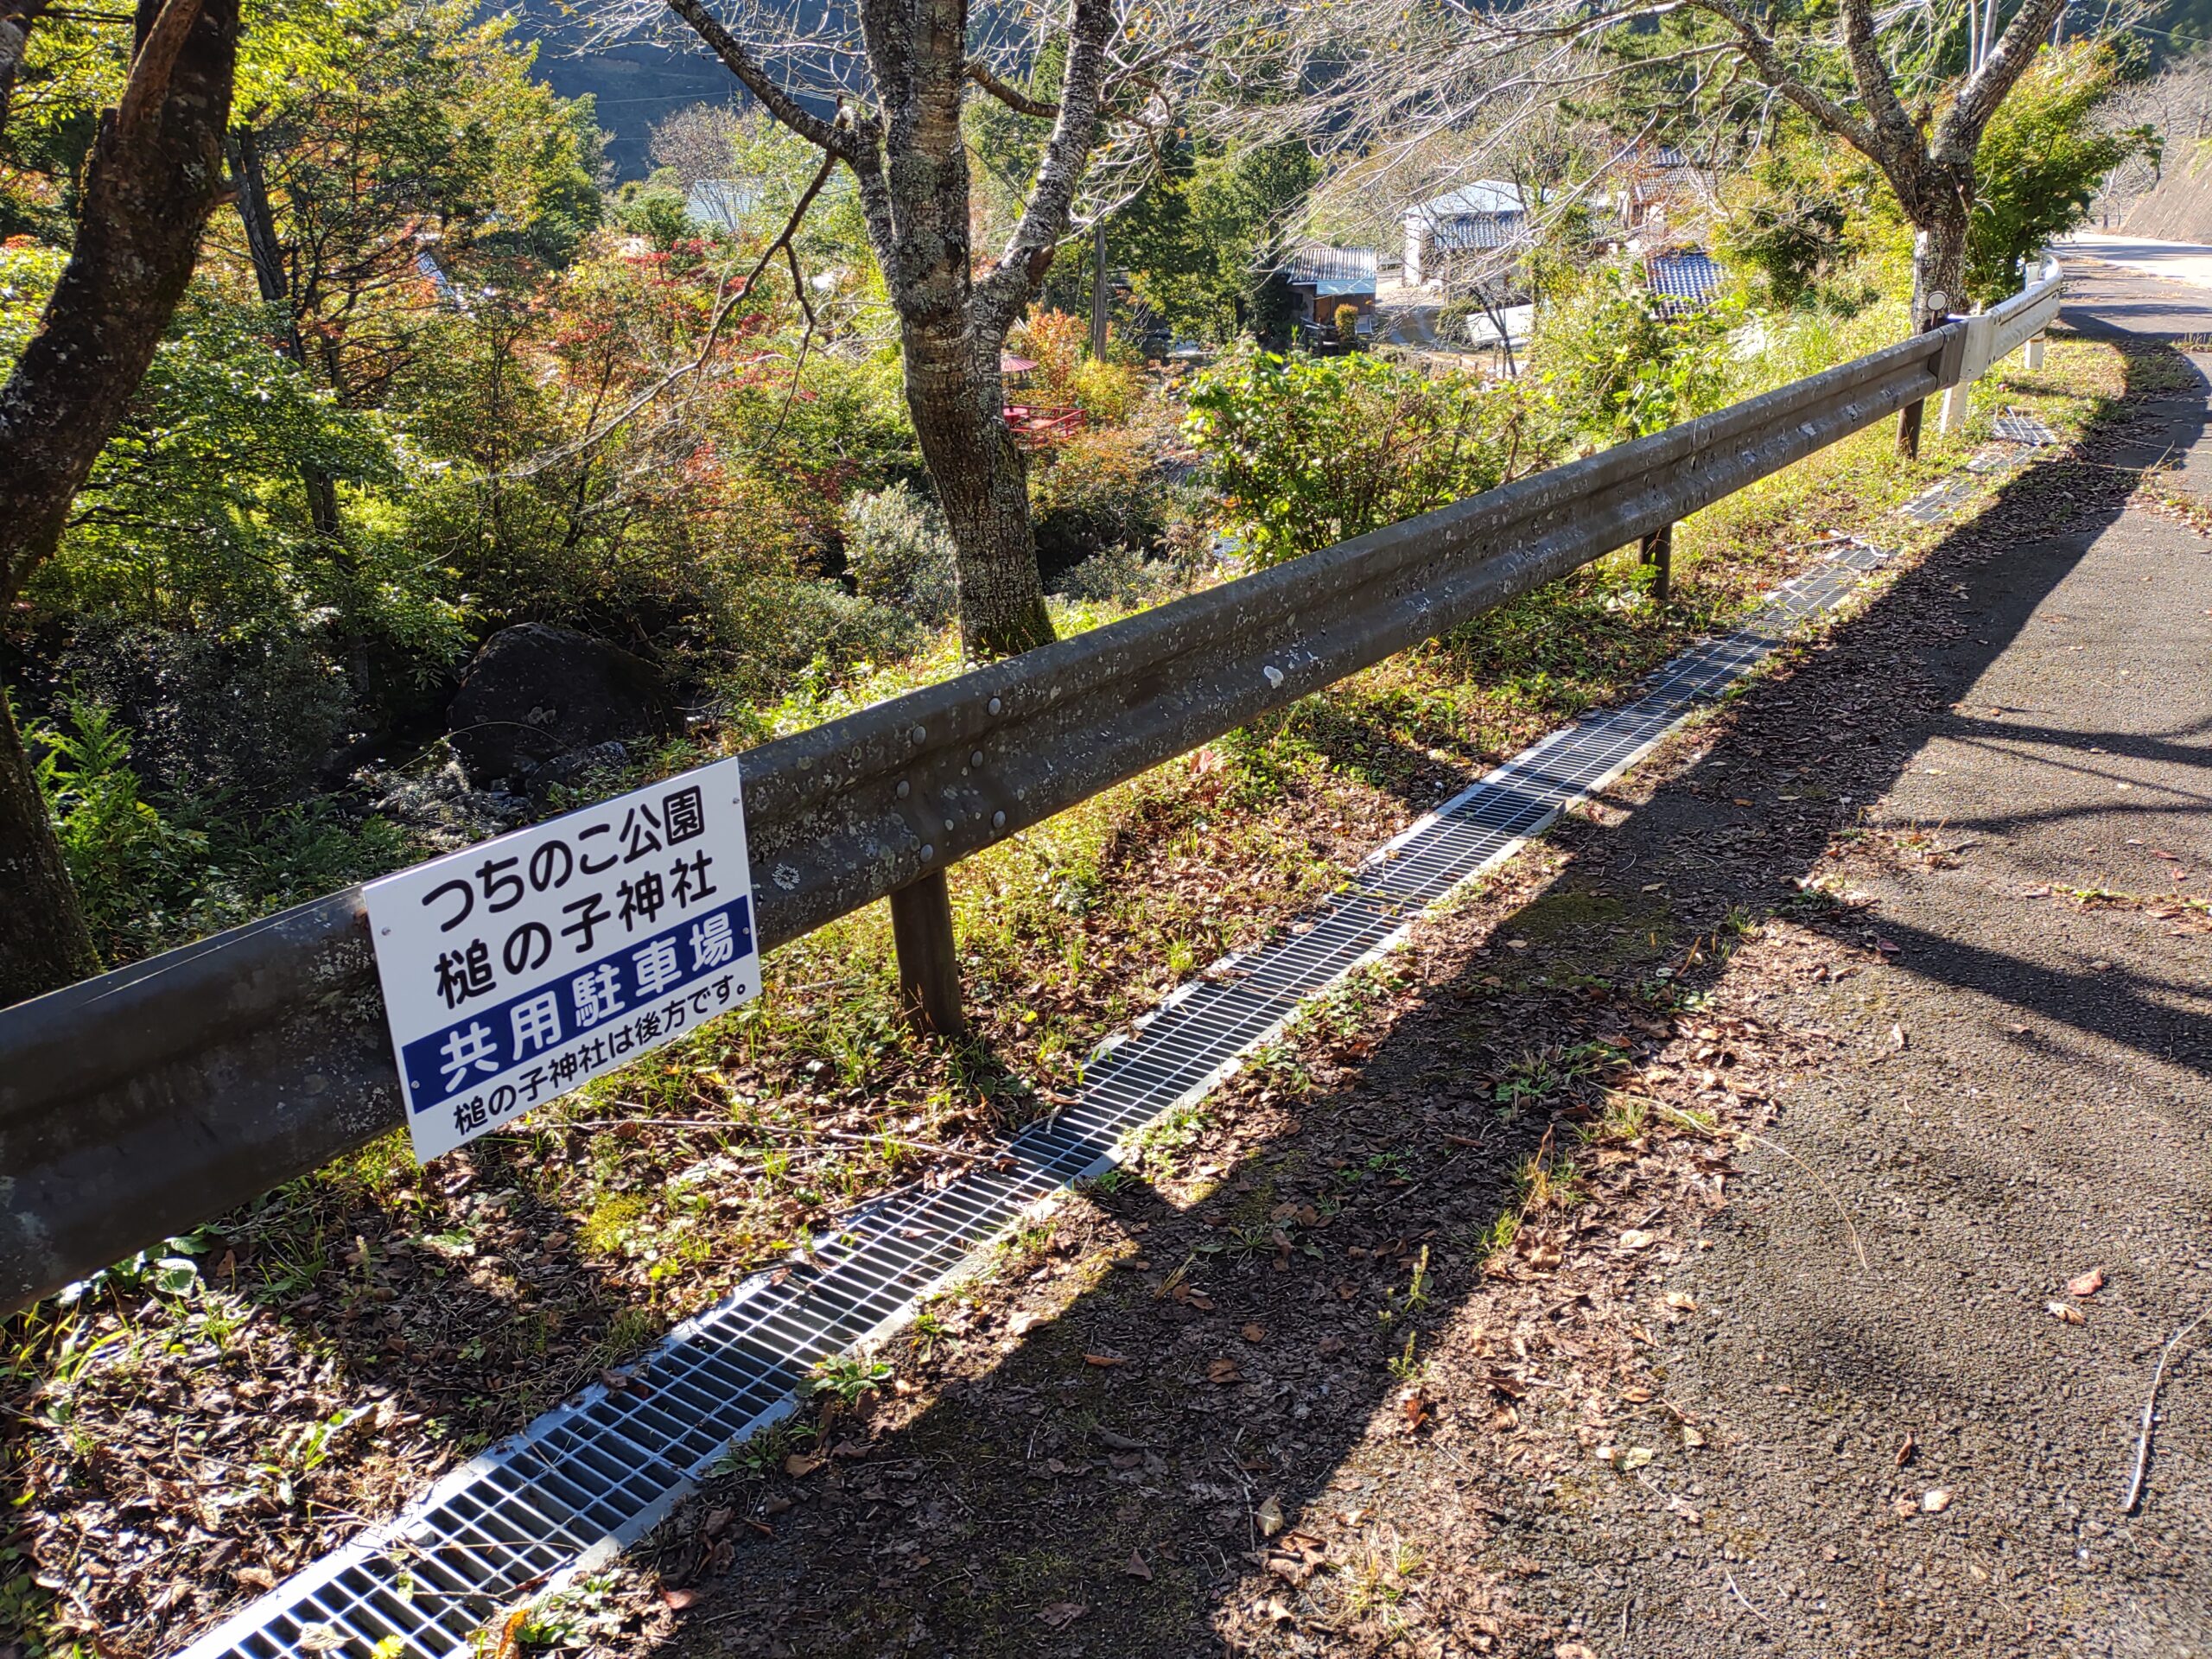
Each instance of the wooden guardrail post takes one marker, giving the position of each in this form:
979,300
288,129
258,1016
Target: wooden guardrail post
1659,552
928,966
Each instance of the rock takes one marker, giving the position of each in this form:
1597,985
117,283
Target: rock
571,768
536,691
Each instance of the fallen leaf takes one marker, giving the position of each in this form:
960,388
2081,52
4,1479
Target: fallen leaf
1061,1614
1637,1239
1574,1649
1935,1500
1023,1322
1224,1371
1136,1568
798,1465
677,1600
1691,1437
1906,1448
1897,1037
2066,1315
2088,1284
1636,1457
1103,1359
1681,1301
1268,1516
1255,1333
1636,1396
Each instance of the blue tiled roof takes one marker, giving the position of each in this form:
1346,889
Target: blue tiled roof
1684,280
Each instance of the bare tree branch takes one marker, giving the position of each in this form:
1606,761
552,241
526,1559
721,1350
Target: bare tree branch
1013,96
774,98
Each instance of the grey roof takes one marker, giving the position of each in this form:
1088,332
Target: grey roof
1683,280
1314,265
1482,196
1476,233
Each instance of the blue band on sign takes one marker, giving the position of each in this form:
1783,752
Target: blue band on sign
617,990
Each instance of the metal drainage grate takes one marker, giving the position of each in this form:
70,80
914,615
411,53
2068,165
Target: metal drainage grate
597,1473
2023,428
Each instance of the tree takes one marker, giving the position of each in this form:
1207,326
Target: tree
154,174
1890,85
2041,160
887,105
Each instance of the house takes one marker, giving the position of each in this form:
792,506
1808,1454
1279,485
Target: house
1478,217
721,203
1324,278
1683,280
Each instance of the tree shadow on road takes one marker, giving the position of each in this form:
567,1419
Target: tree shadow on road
1111,1456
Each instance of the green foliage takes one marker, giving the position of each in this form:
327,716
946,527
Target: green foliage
2041,159
1199,241
1094,492
150,877
898,551
1813,223
1621,363
1308,451
122,854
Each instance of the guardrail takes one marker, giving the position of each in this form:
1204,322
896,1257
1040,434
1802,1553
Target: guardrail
151,1099
1994,335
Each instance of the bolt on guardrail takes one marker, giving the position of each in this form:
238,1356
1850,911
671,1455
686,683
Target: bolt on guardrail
147,1101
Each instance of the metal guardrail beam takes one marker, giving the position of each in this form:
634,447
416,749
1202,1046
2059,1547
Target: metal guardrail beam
152,1099
1994,335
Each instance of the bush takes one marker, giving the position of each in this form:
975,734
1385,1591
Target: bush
1308,451
1094,493
123,857
1120,575
1619,364
1106,393
2041,162
899,552
243,714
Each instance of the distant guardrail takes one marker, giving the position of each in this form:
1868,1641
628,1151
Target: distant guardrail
149,1099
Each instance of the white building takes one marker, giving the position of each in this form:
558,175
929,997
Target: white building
1475,217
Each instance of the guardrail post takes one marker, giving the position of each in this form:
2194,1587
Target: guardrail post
2032,359
1659,551
929,967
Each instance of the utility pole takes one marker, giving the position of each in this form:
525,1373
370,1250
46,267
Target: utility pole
1098,291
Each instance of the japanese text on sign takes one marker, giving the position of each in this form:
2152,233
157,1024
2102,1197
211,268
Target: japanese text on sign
515,971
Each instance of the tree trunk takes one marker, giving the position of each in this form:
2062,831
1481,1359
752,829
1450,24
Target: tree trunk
269,275
955,393
44,943
154,174
1939,267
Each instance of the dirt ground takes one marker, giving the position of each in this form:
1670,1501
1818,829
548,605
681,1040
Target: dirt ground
1750,1223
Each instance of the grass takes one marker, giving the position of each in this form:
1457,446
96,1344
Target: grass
469,1296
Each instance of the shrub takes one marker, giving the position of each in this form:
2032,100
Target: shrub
1106,393
1095,493
2041,162
1120,575
1620,364
244,713
123,857
899,552
1348,324
1308,451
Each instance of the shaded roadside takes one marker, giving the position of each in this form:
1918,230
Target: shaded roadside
1228,1441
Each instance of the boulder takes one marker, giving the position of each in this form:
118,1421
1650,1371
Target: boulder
536,691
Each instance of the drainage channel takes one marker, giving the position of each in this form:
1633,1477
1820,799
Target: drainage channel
597,1472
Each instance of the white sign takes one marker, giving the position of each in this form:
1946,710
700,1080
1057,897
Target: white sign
515,971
